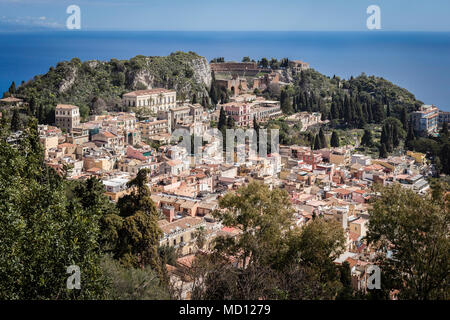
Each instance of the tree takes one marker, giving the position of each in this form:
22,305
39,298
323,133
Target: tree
444,155
12,88
140,234
264,63
285,102
323,139
414,229
262,216
317,143
222,120
404,119
194,98
43,231
246,59
382,151
334,140
98,105
410,136
256,127
444,130
366,139
16,123
132,283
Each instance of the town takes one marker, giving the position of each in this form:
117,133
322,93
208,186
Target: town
334,183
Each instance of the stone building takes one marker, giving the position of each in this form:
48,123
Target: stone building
158,99
67,116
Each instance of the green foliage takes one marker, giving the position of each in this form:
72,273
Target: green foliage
415,230
139,232
42,230
273,260
334,142
79,83
367,139
132,283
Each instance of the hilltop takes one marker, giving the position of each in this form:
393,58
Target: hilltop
84,83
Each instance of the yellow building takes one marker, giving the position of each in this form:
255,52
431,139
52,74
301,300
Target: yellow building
417,156
180,233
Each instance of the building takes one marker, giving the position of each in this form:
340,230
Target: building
11,101
240,112
180,234
444,116
154,99
67,116
425,120
298,66
149,129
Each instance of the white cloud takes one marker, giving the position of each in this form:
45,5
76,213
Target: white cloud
31,22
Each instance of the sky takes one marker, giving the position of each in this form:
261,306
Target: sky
225,15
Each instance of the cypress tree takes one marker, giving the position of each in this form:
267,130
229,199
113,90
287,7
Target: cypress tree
383,152
366,139
395,136
403,119
316,143
410,136
16,124
12,88
322,139
334,139
222,119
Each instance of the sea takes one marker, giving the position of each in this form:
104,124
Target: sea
417,61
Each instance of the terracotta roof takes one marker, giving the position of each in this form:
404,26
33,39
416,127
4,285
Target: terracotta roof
183,223
11,99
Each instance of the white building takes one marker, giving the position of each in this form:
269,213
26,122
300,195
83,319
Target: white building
155,99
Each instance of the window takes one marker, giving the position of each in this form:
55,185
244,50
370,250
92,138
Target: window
174,242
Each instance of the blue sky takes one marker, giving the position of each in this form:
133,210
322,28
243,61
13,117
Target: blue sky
226,15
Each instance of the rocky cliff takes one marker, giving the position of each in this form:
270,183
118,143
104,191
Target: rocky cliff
81,83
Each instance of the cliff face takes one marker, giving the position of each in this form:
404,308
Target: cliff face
202,71
80,83
192,76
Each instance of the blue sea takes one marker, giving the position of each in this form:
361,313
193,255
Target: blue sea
418,61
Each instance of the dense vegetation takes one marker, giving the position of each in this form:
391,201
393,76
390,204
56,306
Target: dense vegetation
48,223
95,85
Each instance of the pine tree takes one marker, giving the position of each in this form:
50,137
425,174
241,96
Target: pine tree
334,139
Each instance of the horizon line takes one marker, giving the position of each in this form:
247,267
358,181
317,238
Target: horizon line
114,30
